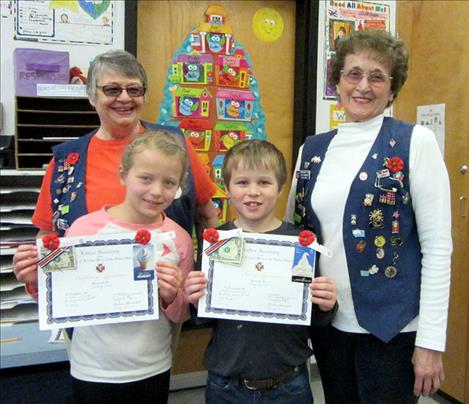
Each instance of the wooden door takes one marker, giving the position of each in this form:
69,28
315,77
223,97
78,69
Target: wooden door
435,34
162,27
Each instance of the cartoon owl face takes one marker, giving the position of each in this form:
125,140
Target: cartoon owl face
187,106
193,72
216,19
215,42
196,138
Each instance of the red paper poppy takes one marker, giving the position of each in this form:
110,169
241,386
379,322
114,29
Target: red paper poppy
211,235
143,236
73,158
306,237
395,164
51,241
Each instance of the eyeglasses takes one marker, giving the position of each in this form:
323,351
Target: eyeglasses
111,90
355,76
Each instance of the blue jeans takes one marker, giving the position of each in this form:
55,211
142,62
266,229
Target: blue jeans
221,390
361,369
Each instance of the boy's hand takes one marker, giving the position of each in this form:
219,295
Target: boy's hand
323,293
169,281
195,286
25,264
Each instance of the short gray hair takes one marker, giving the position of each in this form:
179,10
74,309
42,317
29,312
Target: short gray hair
118,61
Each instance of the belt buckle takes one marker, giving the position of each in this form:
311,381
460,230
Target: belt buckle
248,386
266,384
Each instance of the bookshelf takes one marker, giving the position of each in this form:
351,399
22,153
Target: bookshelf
44,122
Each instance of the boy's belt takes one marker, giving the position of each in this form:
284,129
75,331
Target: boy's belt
272,382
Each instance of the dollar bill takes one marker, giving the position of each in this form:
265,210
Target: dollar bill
64,262
230,253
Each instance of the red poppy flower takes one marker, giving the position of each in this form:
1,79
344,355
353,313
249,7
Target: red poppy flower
143,236
395,164
211,235
73,158
51,241
306,237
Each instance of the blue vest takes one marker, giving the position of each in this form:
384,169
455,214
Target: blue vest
379,231
68,185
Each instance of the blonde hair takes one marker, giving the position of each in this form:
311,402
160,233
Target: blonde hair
254,155
161,140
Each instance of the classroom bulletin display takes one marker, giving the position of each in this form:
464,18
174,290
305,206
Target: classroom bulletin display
65,21
212,96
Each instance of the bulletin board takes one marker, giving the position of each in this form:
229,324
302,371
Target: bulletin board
164,26
71,21
80,55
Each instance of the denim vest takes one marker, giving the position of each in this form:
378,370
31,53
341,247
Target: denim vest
379,231
68,185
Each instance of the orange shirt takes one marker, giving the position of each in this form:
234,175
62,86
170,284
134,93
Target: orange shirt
103,185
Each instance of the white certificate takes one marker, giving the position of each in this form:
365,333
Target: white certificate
261,287
98,280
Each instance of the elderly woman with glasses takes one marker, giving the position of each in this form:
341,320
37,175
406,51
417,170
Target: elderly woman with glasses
83,177
376,192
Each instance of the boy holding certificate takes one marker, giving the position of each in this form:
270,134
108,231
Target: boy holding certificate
255,359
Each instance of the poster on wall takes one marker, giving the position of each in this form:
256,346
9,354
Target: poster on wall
212,95
65,21
344,17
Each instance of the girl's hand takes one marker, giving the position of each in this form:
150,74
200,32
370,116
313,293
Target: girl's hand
169,281
323,293
25,264
195,286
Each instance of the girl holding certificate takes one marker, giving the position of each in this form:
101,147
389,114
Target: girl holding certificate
253,361
127,362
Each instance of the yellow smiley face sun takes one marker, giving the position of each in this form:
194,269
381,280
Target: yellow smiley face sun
267,24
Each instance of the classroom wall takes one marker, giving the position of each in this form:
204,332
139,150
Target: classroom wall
163,25
80,55
434,33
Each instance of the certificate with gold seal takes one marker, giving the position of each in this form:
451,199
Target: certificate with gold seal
253,279
99,280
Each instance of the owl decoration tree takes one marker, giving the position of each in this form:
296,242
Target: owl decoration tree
212,95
